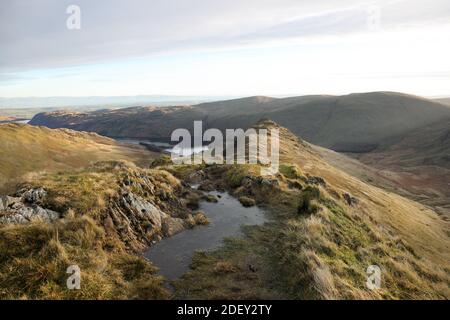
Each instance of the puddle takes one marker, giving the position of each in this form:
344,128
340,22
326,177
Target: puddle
173,255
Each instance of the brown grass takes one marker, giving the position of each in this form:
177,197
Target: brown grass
26,149
325,254
34,259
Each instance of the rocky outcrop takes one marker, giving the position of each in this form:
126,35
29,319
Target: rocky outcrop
26,207
142,207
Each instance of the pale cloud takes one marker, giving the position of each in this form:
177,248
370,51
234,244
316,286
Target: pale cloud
166,39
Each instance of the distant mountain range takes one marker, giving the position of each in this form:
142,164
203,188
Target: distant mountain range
405,137
103,101
351,123
444,101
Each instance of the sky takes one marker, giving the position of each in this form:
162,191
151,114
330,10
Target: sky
217,47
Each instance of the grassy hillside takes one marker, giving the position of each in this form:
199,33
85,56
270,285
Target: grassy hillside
27,149
327,228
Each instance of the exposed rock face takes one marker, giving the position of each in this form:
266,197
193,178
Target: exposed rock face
143,206
135,220
197,177
25,208
143,210
141,221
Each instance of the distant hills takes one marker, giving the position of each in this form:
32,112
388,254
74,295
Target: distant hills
102,101
444,101
350,123
405,137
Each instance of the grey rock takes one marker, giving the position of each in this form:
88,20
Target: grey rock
197,176
34,195
7,202
316,180
21,213
143,209
269,182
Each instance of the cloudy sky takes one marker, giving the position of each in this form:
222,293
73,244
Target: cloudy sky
232,47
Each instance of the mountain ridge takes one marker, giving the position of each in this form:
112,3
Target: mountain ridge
350,123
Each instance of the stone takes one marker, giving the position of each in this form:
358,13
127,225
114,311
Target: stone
143,209
206,186
171,226
351,201
246,201
210,198
22,213
7,202
34,196
270,182
315,180
197,176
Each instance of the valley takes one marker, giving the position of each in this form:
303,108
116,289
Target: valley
192,156
404,137
323,226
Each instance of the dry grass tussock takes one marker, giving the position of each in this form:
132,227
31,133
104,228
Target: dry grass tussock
34,259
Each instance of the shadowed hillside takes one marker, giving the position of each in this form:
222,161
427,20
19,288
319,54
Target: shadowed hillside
351,123
445,101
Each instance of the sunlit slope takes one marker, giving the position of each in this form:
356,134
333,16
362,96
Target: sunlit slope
423,228
25,149
328,228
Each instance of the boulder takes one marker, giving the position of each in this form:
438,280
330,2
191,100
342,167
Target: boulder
25,208
273,183
171,226
197,177
210,198
246,201
141,209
